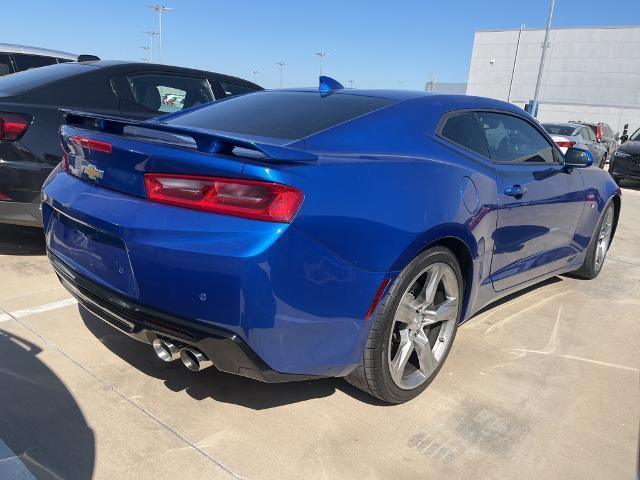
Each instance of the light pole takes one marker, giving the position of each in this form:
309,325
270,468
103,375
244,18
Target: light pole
146,53
160,9
545,45
255,74
350,82
515,61
151,34
322,56
281,65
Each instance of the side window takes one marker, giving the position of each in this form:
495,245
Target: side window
25,62
584,133
464,130
5,64
234,89
63,60
169,93
512,139
590,134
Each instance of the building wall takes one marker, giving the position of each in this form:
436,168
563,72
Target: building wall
590,74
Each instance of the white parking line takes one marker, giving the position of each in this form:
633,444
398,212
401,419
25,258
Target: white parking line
25,312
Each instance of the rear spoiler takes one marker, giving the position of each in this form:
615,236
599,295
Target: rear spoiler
203,140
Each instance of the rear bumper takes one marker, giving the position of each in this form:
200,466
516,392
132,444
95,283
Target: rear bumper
228,352
16,213
292,300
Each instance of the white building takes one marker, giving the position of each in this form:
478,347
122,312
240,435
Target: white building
590,74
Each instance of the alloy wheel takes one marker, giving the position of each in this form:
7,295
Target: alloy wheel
423,325
604,239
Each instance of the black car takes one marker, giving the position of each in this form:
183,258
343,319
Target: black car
625,162
604,135
30,115
17,58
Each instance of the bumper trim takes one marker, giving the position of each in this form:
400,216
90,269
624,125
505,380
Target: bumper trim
228,352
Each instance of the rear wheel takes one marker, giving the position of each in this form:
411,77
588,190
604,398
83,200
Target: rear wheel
599,246
414,330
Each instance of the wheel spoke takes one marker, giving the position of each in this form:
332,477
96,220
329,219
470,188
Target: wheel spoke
405,313
447,310
399,362
427,360
431,284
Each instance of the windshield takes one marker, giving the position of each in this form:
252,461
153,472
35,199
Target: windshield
278,114
635,136
559,129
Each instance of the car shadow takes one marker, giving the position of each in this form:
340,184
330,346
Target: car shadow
40,421
18,240
214,384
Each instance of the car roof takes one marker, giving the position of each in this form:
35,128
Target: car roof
12,48
146,66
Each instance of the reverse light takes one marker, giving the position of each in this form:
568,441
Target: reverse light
566,144
272,202
92,144
13,126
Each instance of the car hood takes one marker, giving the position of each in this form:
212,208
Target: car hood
630,147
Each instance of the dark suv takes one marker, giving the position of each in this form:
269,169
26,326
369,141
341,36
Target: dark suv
30,115
604,134
17,58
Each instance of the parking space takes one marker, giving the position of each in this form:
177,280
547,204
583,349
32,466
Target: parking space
541,385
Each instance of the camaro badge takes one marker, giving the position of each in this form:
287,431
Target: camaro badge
92,172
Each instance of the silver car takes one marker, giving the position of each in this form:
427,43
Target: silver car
568,135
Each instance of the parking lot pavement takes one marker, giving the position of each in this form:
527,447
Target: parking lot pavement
541,385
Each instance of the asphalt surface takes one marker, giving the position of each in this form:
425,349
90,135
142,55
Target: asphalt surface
542,385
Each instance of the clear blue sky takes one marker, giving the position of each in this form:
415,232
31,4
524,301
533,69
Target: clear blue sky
393,44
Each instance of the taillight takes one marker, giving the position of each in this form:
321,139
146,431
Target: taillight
254,199
4,198
92,144
13,126
565,144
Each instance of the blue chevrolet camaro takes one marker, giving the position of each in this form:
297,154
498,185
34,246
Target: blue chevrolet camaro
293,234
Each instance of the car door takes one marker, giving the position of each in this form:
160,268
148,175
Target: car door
150,94
539,201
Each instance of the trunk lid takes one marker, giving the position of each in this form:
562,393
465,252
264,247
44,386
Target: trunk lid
115,153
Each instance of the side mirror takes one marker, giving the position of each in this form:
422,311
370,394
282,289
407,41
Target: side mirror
624,138
578,158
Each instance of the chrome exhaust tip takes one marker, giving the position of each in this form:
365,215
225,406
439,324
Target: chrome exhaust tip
166,350
194,359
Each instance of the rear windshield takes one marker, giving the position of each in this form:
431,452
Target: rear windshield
20,82
559,129
291,115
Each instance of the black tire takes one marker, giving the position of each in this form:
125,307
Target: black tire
373,375
590,269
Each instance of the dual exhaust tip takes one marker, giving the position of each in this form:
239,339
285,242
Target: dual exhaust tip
192,358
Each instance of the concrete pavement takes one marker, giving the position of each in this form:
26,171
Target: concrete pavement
542,385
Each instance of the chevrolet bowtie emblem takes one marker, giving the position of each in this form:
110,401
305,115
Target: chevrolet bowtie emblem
92,172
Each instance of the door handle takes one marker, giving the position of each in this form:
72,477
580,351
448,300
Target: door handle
515,191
